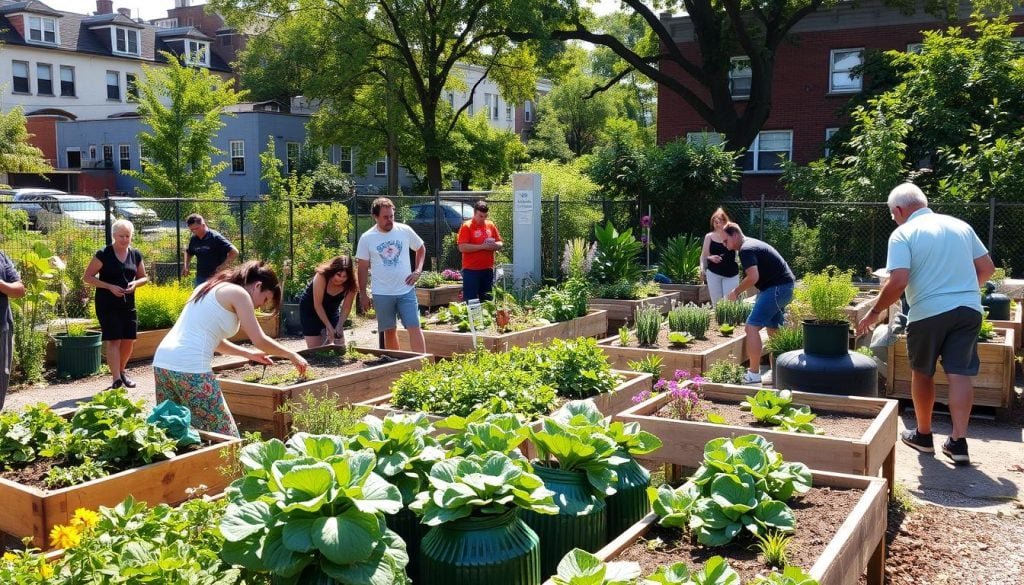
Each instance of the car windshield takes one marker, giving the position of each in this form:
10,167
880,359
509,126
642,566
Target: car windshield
81,206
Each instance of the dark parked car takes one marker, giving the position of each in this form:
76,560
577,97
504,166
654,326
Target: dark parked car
141,217
423,222
29,200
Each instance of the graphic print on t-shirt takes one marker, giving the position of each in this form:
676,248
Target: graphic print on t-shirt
390,252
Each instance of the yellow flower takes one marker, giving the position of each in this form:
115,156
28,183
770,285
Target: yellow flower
10,557
65,536
45,570
85,517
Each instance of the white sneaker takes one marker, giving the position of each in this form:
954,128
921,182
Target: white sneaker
751,378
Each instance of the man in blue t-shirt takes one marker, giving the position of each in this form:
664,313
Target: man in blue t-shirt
766,270
213,252
941,263
10,287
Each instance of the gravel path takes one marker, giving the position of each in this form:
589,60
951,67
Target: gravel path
67,394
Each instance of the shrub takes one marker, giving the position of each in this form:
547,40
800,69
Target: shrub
159,305
725,372
680,259
691,319
430,279
785,339
618,256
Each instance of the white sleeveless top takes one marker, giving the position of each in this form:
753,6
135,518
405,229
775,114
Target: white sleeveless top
189,345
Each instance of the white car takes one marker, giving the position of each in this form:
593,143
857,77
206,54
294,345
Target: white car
28,200
79,211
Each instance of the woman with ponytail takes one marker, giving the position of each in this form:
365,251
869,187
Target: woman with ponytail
216,310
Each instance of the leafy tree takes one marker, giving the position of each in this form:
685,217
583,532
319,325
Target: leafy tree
408,50
582,116
182,105
17,155
548,141
691,176
486,153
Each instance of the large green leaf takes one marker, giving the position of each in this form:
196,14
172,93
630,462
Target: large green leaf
319,447
348,538
307,487
242,521
257,458
377,495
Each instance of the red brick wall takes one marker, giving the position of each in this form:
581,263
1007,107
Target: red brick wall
44,131
94,181
800,100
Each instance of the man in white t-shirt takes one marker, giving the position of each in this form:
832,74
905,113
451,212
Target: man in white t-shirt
383,250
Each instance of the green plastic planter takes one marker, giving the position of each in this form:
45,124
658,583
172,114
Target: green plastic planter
826,338
581,521
408,526
79,355
481,550
629,504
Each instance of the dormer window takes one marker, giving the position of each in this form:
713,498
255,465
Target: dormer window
197,52
126,41
42,29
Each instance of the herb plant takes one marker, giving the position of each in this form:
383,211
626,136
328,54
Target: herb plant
159,305
776,408
563,302
725,372
458,314
732,312
772,547
680,259
691,319
826,294
624,336
576,368
311,509
790,576
649,364
323,416
430,279
648,324
460,487
742,484
787,338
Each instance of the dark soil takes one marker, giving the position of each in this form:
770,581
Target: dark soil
819,513
322,364
831,423
713,339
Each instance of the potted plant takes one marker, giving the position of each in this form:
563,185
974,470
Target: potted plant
312,510
826,295
577,460
473,504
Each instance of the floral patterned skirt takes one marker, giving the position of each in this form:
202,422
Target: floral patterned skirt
201,394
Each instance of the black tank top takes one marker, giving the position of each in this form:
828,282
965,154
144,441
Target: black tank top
727,268
331,302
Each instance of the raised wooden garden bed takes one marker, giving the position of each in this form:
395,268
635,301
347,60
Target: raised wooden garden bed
697,294
858,544
30,511
621,311
871,451
256,406
993,386
269,323
695,359
439,295
1015,323
446,343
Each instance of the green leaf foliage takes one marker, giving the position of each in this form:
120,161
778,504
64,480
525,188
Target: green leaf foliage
826,294
680,259
618,256
313,505
776,408
742,485
489,484
405,448
159,305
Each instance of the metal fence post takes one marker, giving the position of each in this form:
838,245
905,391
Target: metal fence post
761,233
177,233
291,232
108,236
437,230
991,222
241,229
554,271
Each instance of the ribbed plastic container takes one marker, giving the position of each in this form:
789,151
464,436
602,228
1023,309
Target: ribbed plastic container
581,521
852,374
486,550
79,355
408,526
629,504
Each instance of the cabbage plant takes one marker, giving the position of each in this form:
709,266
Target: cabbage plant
405,448
312,509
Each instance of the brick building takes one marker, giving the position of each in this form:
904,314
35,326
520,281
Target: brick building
811,83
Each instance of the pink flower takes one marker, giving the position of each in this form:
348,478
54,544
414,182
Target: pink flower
641,396
698,380
645,221
660,384
682,375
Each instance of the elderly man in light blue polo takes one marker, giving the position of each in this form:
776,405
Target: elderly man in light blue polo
941,263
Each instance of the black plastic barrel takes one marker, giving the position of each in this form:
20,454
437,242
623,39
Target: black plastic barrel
998,304
853,374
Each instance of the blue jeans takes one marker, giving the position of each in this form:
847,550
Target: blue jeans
770,306
477,284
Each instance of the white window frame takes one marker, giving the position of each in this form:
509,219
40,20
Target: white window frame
491,103
74,88
197,52
122,40
755,152
738,72
855,84
508,112
345,159
528,111
291,162
117,75
124,153
38,25
27,76
236,150
829,133
143,155
380,168
40,68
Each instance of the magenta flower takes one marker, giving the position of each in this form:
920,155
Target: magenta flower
641,396
645,221
682,375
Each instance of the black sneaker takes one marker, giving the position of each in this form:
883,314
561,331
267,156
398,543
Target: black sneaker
919,441
956,449
117,384
128,382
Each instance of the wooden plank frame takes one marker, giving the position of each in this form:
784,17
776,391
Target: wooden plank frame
1015,323
620,311
681,359
872,453
993,386
256,406
30,511
448,343
439,295
858,543
697,294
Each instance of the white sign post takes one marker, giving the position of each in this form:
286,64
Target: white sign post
526,234
475,316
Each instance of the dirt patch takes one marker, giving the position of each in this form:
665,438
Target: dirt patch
831,423
322,364
818,513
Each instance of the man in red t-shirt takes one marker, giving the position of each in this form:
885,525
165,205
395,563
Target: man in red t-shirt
478,240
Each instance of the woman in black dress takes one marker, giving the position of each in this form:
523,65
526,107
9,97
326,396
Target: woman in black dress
116,271
333,287
718,266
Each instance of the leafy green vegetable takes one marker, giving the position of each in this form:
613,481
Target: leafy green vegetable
405,449
790,576
573,438
579,567
483,432
679,338
776,408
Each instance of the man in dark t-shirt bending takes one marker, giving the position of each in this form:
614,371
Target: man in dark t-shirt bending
767,271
